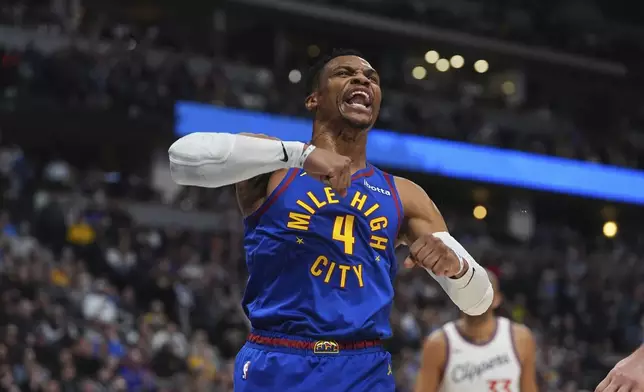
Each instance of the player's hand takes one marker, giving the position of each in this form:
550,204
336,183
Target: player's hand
626,376
432,254
331,168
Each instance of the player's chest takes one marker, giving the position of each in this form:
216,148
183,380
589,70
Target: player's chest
365,209
474,369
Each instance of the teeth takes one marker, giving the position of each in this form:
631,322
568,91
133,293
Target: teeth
358,105
360,93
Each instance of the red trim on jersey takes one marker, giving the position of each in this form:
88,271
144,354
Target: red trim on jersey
366,173
394,193
272,198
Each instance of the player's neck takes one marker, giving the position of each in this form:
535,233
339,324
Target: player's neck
346,141
478,329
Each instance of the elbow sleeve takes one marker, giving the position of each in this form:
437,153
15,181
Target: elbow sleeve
220,159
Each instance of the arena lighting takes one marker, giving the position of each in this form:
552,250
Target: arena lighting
436,156
508,87
481,66
479,212
313,51
432,56
294,76
457,61
419,72
610,229
442,65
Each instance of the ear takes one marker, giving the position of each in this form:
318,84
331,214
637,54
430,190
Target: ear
497,301
311,102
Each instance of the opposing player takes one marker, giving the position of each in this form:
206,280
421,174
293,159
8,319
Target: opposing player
479,353
321,225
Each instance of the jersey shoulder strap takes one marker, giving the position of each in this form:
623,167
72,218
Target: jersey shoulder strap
504,327
452,336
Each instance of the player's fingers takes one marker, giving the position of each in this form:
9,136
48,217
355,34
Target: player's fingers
416,246
345,179
445,267
409,263
423,253
438,268
430,261
612,387
335,182
602,385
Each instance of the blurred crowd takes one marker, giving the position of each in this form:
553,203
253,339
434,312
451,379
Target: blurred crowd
589,27
137,69
93,300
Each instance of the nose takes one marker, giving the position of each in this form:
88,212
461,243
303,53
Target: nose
360,78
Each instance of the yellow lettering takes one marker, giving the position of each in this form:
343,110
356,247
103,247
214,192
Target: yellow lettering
298,221
372,209
378,223
323,266
315,268
329,195
315,201
378,242
357,269
327,278
343,231
306,206
343,276
358,201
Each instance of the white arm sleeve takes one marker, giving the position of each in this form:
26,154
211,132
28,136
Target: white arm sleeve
472,292
218,159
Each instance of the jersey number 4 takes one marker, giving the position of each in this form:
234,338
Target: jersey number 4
499,385
343,232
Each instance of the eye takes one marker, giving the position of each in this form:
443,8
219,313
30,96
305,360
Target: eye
343,73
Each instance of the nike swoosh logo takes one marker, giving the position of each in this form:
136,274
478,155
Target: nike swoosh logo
285,159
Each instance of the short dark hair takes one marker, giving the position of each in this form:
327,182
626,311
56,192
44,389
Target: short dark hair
315,71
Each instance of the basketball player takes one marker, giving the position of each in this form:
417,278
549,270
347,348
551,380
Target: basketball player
626,376
321,224
479,353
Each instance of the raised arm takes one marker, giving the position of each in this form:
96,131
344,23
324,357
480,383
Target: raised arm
442,256
214,160
255,163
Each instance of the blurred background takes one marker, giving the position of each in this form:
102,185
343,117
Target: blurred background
523,120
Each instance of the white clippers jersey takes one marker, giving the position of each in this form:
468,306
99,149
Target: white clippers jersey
490,367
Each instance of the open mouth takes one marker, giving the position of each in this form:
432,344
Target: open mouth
359,99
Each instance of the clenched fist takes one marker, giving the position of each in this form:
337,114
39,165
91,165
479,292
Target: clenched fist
432,254
331,168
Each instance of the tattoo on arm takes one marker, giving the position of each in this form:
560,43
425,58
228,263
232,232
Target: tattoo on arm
251,193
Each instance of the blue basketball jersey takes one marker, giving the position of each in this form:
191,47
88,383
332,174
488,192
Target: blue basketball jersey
320,265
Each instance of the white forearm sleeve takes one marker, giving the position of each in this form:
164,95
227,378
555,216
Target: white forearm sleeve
218,159
472,292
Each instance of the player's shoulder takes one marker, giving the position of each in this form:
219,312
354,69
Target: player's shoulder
408,190
406,185
413,196
521,332
523,340
436,342
252,193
